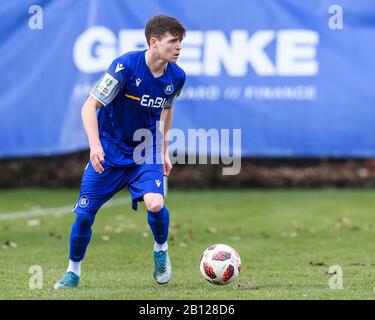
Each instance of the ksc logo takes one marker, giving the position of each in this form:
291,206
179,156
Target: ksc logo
169,88
83,202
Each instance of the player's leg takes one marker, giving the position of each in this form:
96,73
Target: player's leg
79,239
96,189
148,186
158,220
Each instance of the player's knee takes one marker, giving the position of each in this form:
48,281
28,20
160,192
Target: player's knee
155,204
85,220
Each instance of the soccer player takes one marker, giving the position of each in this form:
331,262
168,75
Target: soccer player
136,93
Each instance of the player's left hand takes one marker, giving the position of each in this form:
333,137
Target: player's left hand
167,166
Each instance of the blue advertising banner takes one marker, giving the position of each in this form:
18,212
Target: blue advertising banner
297,77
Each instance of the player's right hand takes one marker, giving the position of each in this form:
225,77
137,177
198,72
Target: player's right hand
97,158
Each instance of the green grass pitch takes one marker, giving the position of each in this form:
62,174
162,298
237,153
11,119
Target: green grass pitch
287,240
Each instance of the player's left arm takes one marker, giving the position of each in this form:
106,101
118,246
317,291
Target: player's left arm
167,117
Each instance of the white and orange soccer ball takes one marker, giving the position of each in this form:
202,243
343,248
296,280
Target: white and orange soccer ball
220,264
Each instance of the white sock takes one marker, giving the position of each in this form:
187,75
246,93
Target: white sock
161,247
74,267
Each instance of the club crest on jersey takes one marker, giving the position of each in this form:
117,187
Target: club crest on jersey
83,201
169,88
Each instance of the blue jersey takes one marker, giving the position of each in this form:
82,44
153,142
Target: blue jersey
133,99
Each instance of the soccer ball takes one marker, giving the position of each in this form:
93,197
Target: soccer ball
220,264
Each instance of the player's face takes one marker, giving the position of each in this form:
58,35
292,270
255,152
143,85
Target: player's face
168,48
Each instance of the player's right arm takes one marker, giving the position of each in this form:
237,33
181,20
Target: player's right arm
103,93
90,123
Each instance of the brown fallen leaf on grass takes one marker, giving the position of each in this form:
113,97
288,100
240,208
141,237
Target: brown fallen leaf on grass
120,228
105,238
57,236
247,286
175,225
234,238
342,222
345,220
9,244
120,217
294,224
33,222
190,234
360,264
317,264
292,234
107,228
210,230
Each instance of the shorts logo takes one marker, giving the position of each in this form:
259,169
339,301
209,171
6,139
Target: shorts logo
83,201
158,183
169,88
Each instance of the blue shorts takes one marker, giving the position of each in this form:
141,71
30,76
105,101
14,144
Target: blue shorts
96,189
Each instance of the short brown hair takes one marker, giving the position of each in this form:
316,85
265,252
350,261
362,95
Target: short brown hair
157,26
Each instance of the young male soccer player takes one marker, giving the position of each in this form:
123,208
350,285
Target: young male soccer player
136,92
